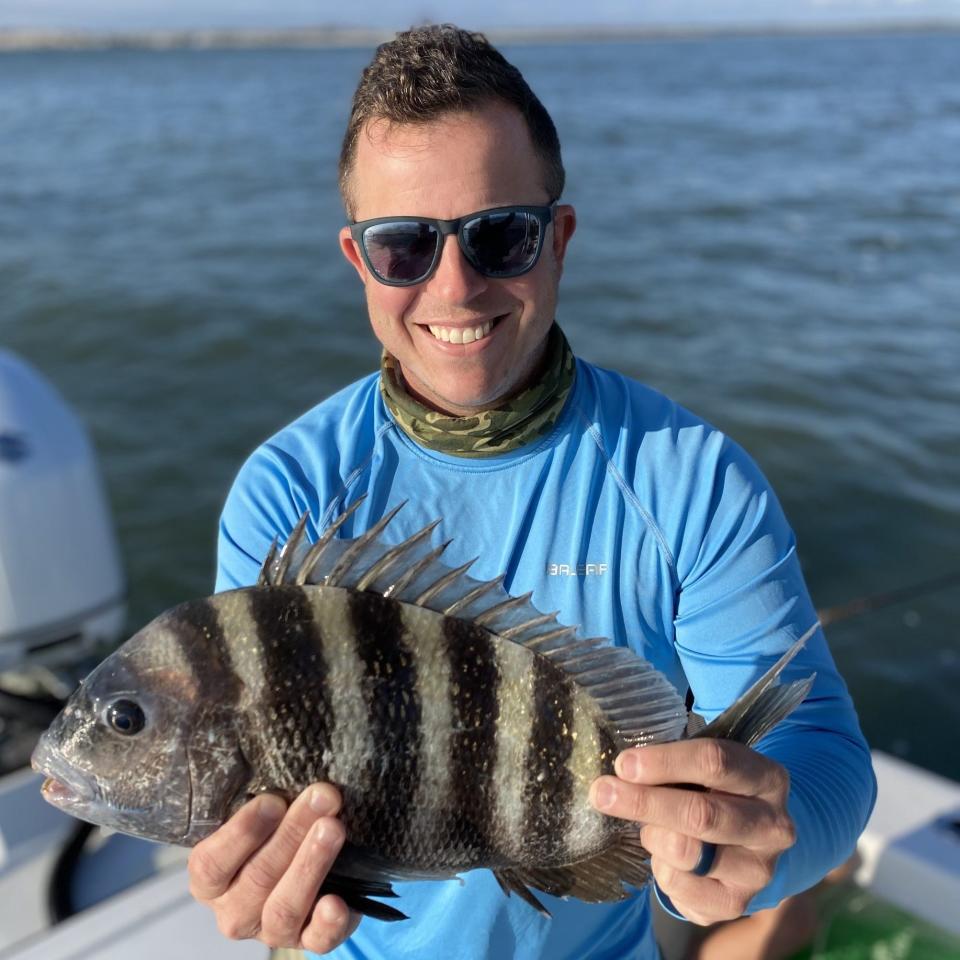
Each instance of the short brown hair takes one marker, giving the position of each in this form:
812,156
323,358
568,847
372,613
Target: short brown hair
433,70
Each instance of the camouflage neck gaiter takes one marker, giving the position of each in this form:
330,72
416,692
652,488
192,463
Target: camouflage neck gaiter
516,422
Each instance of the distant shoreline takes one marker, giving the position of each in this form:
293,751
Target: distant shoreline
15,40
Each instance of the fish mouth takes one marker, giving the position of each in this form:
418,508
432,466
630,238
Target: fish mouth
63,787
63,795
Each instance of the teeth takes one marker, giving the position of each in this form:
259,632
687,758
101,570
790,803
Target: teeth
461,334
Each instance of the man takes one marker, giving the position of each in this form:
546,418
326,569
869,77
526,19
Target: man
636,520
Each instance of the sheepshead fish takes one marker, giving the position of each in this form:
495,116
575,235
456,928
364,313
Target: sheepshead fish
462,726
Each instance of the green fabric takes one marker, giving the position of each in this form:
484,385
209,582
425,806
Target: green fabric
523,418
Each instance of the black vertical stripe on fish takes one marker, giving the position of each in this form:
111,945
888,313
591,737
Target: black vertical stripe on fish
210,659
474,697
608,747
393,704
295,701
548,791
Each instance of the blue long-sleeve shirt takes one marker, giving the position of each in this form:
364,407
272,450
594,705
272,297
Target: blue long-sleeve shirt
637,521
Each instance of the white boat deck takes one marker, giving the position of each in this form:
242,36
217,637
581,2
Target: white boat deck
152,919
910,850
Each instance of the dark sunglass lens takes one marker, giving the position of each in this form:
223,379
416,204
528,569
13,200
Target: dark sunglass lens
502,244
401,251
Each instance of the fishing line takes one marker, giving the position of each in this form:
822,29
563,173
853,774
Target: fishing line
877,601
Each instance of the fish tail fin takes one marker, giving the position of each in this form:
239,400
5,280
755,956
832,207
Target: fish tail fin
764,705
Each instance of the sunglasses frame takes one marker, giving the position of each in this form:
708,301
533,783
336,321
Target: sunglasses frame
544,215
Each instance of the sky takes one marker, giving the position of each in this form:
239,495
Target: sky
121,15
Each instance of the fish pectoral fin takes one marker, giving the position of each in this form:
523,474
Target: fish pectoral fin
599,879
357,893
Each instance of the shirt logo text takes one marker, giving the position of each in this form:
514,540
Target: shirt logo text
576,569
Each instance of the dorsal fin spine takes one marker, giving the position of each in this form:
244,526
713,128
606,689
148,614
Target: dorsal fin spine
316,551
290,547
491,613
263,580
357,547
393,555
430,592
475,594
542,640
509,633
398,586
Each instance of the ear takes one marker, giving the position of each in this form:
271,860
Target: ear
564,224
350,250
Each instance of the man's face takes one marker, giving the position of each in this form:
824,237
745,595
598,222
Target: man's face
444,169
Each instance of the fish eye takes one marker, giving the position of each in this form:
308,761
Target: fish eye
125,717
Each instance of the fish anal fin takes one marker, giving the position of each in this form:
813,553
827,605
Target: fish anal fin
599,879
511,882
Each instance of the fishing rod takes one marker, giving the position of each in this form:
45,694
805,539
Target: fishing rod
877,601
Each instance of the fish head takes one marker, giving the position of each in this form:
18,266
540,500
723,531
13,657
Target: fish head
131,743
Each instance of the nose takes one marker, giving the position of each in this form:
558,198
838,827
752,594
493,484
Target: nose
455,280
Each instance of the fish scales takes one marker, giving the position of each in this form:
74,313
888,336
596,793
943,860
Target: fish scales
293,714
393,706
434,804
549,787
475,707
207,640
512,742
454,746
348,756
204,645
457,827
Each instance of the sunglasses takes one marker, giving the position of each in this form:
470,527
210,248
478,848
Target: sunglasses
499,243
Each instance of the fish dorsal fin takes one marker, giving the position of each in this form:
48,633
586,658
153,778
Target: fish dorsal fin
640,703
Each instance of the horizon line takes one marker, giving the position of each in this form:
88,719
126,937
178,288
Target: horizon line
27,39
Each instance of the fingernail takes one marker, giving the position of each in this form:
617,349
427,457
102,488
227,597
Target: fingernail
325,832
627,766
330,910
271,809
322,802
604,795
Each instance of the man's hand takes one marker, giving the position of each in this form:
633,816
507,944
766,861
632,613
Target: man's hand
261,871
744,812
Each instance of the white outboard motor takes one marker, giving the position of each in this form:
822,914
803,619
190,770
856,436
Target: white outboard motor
62,591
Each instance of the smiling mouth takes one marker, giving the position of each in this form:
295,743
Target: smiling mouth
464,334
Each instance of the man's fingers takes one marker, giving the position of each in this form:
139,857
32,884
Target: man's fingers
216,860
734,865
262,872
289,906
704,900
715,764
676,849
716,817
332,922
236,869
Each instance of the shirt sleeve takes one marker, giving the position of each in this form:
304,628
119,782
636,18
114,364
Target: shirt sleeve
742,600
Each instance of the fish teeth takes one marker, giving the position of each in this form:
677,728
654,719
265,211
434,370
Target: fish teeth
461,334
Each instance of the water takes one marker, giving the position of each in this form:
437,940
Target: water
768,232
